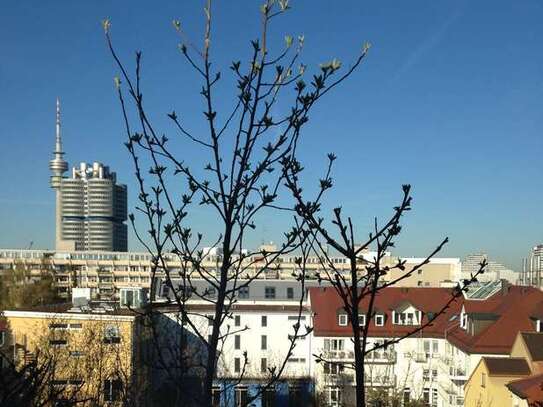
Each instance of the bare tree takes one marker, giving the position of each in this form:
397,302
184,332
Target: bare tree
367,277
243,152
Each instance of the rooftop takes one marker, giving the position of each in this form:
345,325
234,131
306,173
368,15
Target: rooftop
506,366
511,308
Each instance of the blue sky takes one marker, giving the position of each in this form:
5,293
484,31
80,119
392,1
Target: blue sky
449,100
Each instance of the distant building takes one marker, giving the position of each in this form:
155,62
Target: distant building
106,272
494,271
532,268
91,208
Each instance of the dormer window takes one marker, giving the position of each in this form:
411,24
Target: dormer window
379,320
407,315
342,320
463,319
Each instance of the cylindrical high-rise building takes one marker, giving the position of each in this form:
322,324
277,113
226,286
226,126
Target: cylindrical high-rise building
91,206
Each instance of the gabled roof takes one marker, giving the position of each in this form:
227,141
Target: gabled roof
529,389
325,302
402,305
506,366
513,306
534,344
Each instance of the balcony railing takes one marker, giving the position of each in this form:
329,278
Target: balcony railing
338,354
381,381
378,357
457,373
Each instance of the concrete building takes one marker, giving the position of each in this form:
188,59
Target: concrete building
106,272
532,268
91,208
494,271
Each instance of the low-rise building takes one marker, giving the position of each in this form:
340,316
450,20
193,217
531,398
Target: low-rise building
87,351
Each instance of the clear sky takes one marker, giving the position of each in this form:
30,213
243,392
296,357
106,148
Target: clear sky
449,100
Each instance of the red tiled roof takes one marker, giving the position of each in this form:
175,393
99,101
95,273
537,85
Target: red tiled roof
325,302
513,306
529,389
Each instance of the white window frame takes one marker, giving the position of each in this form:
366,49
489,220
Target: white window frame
342,319
379,317
362,320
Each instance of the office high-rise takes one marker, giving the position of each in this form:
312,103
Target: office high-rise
91,208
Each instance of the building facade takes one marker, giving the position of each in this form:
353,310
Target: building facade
106,272
91,208
532,268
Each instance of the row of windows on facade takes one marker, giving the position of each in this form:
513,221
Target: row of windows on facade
335,396
264,363
398,318
112,335
263,319
429,346
267,398
270,292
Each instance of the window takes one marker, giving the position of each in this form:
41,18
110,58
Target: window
538,326
237,320
211,291
237,342
77,354
435,346
58,342
342,319
406,395
241,396
2,338
295,398
112,389
112,334
268,398
290,292
243,292
334,396
76,326
426,396
483,380
379,320
237,365
269,292
264,320
333,344
58,326
216,396
434,397
332,368
263,342
263,365
362,320
209,320
426,374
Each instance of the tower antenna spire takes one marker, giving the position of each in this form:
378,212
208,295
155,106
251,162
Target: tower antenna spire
58,141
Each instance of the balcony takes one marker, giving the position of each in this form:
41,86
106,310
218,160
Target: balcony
457,373
381,357
338,355
339,379
381,381
421,357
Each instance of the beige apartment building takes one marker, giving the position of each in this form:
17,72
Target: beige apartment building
105,273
